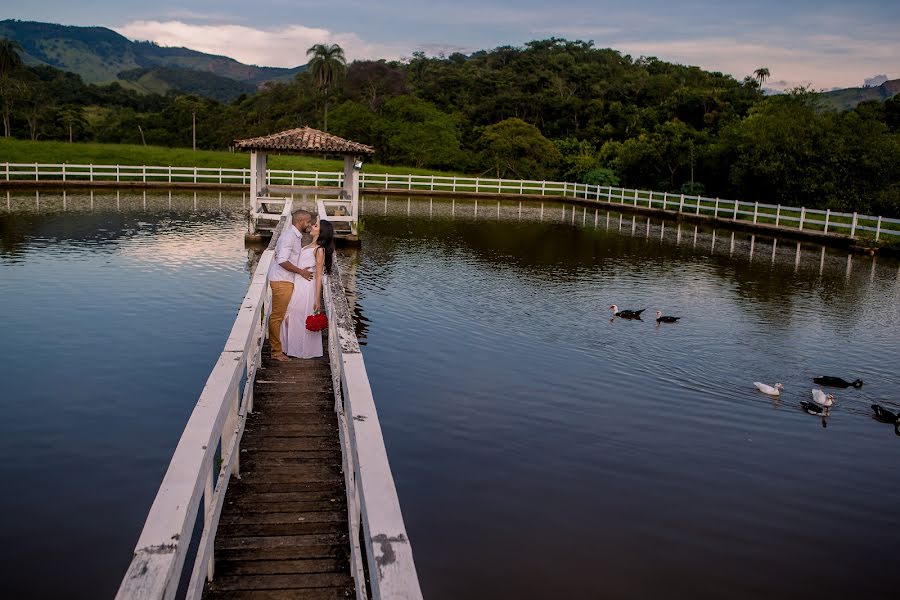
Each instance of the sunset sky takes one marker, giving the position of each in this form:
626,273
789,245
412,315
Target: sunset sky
823,44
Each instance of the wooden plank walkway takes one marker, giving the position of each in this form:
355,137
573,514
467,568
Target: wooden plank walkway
284,529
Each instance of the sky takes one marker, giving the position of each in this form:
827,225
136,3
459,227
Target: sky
823,44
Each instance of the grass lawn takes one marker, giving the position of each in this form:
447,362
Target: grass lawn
23,151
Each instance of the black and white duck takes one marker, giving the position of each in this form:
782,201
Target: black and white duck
813,408
661,318
626,314
886,416
837,382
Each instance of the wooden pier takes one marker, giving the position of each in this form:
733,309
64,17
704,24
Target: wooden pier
285,468
283,529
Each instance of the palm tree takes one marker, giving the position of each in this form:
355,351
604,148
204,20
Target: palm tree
327,65
761,75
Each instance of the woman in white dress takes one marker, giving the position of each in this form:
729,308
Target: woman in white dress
297,340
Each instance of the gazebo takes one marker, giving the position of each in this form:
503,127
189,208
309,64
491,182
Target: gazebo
304,140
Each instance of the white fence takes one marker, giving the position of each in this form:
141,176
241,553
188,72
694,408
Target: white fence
217,422
787,217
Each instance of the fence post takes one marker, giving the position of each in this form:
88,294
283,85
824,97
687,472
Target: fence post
802,216
91,172
35,171
635,196
734,214
7,171
477,179
170,173
543,188
716,211
698,204
454,183
432,183
853,227
409,181
64,172
777,215
316,179
878,229
681,204
220,175
755,211
195,174
117,173
827,217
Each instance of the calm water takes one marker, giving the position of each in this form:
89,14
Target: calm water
540,450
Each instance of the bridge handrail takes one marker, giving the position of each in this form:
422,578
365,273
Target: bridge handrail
372,501
217,420
757,212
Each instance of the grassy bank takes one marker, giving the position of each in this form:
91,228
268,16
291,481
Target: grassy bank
22,151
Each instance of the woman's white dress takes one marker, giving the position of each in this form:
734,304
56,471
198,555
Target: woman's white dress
297,340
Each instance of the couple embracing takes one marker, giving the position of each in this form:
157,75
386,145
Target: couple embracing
303,254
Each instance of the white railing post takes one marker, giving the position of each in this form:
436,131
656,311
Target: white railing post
716,212
853,226
35,171
755,211
64,171
735,213
7,171
409,182
316,179
170,173
777,215
681,204
827,218
195,174
543,188
117,173
91,172
477,180
220,175
698,204
635,196
878,228
802,216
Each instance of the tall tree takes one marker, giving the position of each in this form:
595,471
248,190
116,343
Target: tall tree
9,56
10,88
327,65
761,74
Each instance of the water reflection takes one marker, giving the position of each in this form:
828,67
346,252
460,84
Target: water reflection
514,410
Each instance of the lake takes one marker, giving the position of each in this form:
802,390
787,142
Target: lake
539,448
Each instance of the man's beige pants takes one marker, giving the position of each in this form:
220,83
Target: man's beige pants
281,297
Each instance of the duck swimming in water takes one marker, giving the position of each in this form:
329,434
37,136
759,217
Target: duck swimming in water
822,399
813,408
837,382
886,416
660,318
626,314
768,389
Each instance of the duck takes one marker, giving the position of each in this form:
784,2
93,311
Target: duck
822,399
768,389
813,408
837,382
626,314
884,415
660,318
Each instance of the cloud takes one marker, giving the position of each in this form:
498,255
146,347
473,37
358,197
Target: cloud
822,61
275,47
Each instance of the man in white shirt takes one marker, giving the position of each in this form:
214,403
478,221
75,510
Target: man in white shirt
281,275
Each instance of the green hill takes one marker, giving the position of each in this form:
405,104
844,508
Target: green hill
159,80
99,55
847,99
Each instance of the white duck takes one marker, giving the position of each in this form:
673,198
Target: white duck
768,389
822,399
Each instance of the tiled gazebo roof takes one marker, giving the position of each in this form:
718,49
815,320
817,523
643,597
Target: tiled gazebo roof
304,140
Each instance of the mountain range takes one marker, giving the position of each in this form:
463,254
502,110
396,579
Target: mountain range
100,55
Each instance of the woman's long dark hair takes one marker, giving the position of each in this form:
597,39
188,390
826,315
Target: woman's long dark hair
326,241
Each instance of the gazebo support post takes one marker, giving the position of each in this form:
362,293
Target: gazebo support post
351,189
258,168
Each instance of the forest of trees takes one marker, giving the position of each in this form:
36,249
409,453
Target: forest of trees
551,109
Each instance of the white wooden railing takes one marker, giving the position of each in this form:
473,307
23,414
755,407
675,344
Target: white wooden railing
372,501
218,421
786,217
